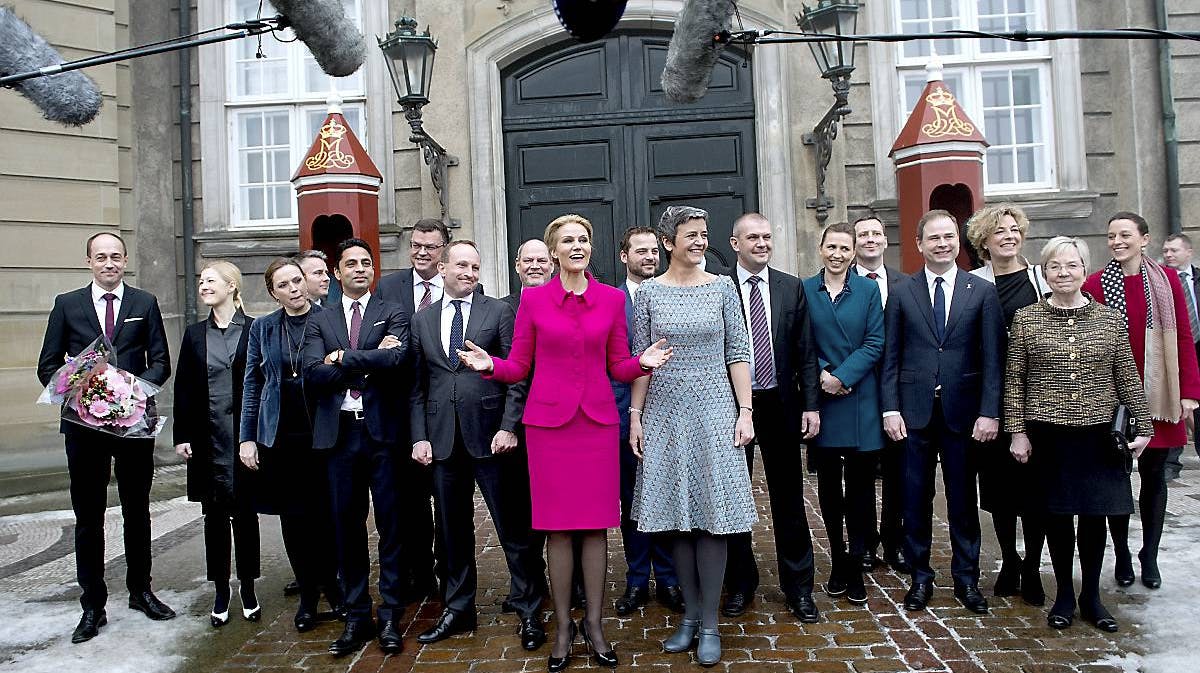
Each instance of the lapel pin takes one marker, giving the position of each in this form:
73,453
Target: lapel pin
968,286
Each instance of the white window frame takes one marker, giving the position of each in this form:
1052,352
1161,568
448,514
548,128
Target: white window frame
1061,90
218,146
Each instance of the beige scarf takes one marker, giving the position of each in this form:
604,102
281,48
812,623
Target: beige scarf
1160,374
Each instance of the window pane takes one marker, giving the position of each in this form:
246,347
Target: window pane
995,89
1028,166
282,205
1025,87
997,127
999,167
252,200
281,168
912,9
1026,123
252,167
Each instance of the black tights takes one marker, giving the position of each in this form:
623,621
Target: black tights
1152,506
1032,530
1061,538
700,565
593,561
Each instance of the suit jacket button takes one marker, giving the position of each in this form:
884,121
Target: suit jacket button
940,350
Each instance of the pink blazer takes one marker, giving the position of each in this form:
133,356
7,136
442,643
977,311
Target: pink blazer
577,341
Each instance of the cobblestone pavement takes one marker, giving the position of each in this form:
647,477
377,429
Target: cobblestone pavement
37,568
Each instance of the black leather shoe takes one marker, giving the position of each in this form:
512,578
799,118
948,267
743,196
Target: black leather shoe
632,599
1059,622
447,625
870,561
835,586
354,636
89,625
971,598
670,598
1008,581
804,608
1100,618
291,588
1123,570
736,604
533,634
856,590
507,607
305,619
1032,591
607,659
148,604
1151,577
895,561
390,640
918,596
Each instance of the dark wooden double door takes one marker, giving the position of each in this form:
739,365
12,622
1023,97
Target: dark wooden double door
587,130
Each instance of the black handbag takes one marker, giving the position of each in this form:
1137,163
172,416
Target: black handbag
1124,431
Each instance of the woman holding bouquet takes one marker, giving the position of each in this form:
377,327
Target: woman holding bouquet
292,478
208,398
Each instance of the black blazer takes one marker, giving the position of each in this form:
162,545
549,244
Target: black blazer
794,350
139,337
191,403
968,364
448,395
397,288
261,398
383,399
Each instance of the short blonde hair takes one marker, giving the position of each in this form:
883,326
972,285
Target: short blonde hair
230,274
1059,243
987,219
551,236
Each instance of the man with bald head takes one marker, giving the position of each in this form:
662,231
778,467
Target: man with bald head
133,324
784,380
533,267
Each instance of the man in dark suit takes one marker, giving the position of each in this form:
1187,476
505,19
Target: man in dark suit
131,319
643,552
942,375
785,379
463,426
870,242
1177,253
413,289
315,266
353,352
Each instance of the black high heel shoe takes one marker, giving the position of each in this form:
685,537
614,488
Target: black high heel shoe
1123,570
1098,616
556,664
607,659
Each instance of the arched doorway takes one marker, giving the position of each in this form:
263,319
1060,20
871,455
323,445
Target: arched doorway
588,130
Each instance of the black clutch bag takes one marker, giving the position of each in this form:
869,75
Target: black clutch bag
1123,430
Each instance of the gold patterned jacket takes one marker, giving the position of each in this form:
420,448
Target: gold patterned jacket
1071,367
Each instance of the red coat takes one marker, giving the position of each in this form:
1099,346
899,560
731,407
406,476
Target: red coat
575,351
1166,435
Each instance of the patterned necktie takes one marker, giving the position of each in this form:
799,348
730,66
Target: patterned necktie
939,309
872,275
456,333
1186,277
355,329
760,333
110,319
427,298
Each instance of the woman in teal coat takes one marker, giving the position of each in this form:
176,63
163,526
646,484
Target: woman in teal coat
847,321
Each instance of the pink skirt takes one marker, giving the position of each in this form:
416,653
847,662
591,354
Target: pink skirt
575,475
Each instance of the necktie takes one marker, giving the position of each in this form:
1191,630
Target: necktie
427,298
939,309
110,319
1186,277
456,333
872,275
764,357
355,329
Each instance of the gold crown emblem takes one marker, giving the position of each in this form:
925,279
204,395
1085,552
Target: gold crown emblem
333,129
946,121
939,97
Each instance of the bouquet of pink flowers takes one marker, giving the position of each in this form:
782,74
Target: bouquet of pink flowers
101,396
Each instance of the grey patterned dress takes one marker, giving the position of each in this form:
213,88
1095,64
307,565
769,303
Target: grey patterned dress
692,477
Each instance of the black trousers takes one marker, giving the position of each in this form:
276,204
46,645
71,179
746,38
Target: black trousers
783,463
423,554
853,506
309,536
890,531
925,447
362,472
454,480
233,525
92,458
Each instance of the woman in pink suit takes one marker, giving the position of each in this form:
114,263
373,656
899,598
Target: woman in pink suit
574,328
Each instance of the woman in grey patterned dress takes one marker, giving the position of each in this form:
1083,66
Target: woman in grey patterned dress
688,424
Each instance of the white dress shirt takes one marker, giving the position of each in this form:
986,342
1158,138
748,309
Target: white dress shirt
764,288
882,280
947,287
349,403
448,321
632,286
435,289
101,305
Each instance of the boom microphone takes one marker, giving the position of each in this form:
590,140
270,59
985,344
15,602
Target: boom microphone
322,26
69,98
693,52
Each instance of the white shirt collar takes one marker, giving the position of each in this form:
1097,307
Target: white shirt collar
632,285
362,302
436,281
949,276
743,274
863,270
99,292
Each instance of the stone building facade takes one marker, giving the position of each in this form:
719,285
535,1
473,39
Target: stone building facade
541,124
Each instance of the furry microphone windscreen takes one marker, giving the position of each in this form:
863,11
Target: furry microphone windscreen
323,27
69,98
693,52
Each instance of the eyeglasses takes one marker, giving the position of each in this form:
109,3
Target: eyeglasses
427,247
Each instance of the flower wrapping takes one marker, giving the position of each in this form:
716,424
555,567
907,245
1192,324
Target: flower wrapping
99,395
